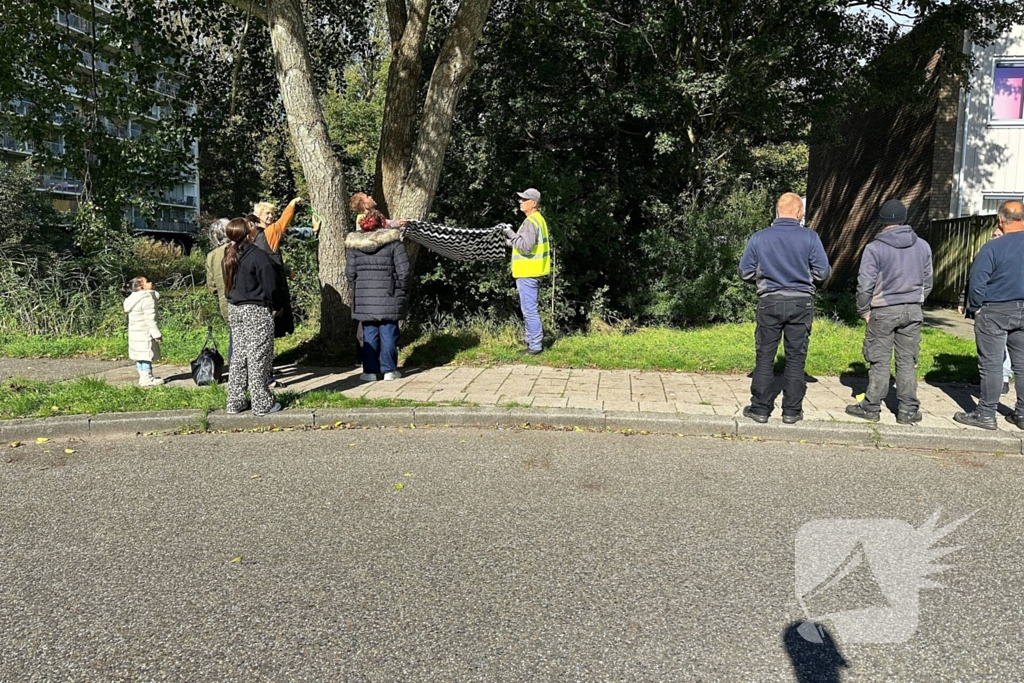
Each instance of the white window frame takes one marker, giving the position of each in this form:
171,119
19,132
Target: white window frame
1007,61
999,197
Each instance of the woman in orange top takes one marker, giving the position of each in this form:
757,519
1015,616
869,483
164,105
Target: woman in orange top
269,240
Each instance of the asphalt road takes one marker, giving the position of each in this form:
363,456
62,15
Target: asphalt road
505,556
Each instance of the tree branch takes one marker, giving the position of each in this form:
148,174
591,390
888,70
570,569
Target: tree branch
455,64
400,105
398,16
258,9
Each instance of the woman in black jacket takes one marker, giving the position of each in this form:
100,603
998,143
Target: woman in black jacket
250,281
377,269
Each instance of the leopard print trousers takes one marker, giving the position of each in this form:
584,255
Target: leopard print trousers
252,357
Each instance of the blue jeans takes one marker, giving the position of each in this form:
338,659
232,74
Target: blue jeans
380,347
529,288
143,366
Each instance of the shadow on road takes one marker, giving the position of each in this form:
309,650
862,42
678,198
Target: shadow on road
813,653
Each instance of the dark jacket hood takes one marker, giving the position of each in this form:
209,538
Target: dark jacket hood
900,237
372,241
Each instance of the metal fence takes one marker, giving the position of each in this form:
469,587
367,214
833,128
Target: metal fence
954,243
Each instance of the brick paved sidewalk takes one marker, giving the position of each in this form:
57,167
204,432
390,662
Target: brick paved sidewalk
613,390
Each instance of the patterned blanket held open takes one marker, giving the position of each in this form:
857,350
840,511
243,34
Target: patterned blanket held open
460,244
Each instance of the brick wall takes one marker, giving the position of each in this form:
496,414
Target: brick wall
885,154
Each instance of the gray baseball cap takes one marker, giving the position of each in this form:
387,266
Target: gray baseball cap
530,194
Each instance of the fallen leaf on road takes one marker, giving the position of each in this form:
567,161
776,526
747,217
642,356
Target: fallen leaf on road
236,560
69,451
338,423
15,444
255,476
462,441
859,397
399,486
41,439
352,444
408,474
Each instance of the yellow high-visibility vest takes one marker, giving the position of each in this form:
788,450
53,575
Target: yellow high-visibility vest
538,262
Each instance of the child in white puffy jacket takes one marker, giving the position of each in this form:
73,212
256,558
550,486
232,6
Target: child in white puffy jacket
143,335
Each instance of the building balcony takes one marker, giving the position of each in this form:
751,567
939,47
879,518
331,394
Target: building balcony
179,227
74,22
177,199
55,183
19,107
13,144
87,60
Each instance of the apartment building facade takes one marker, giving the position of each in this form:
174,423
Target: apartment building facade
177,207
962,155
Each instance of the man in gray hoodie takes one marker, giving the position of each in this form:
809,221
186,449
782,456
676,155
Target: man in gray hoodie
894,281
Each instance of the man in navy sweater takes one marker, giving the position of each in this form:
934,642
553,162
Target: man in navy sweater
785,261
996,297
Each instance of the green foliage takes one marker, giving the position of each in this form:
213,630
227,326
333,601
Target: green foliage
300,257
29,215
692,256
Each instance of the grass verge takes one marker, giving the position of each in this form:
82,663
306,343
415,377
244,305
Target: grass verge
90,396
180,346
835,349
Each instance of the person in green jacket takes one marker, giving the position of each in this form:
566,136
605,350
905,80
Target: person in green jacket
215,270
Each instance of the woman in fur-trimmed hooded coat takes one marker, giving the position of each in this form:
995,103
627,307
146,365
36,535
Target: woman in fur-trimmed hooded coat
377,269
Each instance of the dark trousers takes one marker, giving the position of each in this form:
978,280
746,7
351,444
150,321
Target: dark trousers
777,318
900,327
380,347
999,328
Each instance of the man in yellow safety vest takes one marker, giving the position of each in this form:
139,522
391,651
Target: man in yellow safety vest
531,260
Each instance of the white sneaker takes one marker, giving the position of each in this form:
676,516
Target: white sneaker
366,377
388,376
148,380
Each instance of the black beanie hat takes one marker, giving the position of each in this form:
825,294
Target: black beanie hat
893,213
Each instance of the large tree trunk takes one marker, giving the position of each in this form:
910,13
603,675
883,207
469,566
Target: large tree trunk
409,172
322,169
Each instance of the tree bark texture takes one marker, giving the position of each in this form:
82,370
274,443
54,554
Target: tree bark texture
321,167
407,25
455,64
410,161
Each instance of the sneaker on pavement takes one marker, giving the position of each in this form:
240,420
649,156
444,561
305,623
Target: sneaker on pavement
905,417
367,377
388,376
858,410
150,381
273,409
792,418
749,413
530,352
1006,388
236,411
976,419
